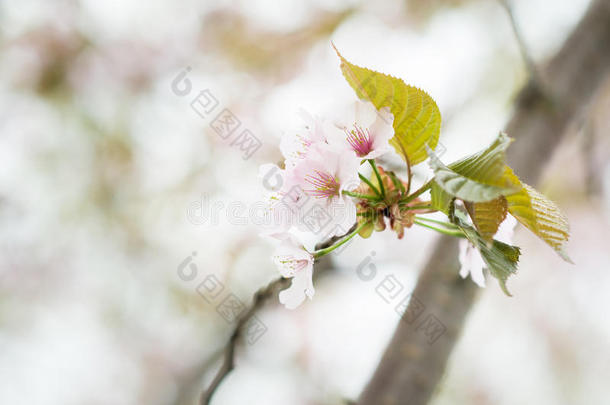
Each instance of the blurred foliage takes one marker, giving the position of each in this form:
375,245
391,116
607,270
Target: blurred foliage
267,53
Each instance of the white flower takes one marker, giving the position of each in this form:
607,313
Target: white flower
293,261
470,259
367,131
472,263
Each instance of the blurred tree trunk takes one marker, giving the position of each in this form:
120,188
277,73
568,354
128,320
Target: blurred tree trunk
411,368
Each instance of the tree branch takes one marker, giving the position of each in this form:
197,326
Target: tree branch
410,369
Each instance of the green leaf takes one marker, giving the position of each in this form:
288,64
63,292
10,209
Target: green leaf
417,119
466,188
487,216
439,198
477,178
501,259
540,215
489,165
528,206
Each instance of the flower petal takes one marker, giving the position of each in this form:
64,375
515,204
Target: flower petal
471,263
365,113
301,287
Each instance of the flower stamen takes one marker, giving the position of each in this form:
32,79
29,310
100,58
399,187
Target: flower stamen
325,185
360,140
290,263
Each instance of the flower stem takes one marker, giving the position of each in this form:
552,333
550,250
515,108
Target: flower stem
361,196
457,233
368,182
418,192
374,166
397,183
448,225
416,207
343,241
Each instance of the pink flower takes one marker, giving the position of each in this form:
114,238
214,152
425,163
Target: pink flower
367,131
316,173
308,195
279,211
293,261
295,146
324,174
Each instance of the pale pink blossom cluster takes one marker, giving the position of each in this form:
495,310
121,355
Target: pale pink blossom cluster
320,171
321,162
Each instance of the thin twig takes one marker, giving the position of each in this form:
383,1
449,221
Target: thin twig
228,363
530,65
258,301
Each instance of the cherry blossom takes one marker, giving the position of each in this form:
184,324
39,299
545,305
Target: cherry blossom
367,131
293,261
324,174
295,145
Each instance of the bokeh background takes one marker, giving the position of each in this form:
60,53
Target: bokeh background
108,182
